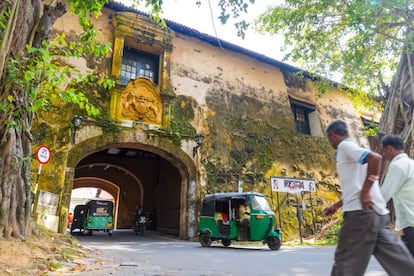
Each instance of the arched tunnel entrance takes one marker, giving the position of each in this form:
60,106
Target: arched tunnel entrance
135,176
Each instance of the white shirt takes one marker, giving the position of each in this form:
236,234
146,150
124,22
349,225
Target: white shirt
399,185
352,171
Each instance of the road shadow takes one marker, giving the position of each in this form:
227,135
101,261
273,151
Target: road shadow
243,247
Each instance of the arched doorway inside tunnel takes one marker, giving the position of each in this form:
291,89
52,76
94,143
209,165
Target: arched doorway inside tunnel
80,196
134,176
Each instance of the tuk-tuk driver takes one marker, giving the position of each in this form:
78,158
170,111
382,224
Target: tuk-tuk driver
244,213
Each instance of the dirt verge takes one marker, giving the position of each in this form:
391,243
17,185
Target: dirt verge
45,254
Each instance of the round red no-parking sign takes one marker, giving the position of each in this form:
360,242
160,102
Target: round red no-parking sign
43,154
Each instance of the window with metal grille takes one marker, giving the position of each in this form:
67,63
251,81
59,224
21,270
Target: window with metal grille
139,64
301,111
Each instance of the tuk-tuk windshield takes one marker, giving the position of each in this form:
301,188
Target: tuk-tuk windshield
260,203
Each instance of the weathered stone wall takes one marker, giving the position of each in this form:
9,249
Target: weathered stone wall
241,106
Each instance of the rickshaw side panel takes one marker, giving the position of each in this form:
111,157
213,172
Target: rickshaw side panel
208,224
218,229
234,230
262,224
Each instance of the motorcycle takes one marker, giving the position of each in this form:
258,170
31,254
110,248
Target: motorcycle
139,223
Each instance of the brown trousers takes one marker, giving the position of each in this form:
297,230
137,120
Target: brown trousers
365,233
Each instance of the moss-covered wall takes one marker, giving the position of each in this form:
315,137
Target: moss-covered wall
250,141
242,108
244,112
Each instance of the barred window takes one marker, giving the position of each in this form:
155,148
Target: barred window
301,111
139,64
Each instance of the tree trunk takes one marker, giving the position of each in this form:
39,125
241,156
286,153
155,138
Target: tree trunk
397,117
27,17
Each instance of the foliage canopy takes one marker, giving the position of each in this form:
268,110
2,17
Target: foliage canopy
357,40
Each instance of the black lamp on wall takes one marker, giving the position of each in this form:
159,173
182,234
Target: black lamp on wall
76,123
199,140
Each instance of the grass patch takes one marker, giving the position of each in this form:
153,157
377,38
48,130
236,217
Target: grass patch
308,242
53,265
67,254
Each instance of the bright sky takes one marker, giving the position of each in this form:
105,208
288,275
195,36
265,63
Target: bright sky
188,14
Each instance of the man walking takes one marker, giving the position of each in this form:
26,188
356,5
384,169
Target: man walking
365,228
399,185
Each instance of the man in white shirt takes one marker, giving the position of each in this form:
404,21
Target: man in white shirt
399,185
365,228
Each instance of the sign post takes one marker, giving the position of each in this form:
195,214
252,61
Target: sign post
42,156
240,186
294,186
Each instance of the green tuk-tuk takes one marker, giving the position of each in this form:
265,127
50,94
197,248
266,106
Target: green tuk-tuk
220,220
95,215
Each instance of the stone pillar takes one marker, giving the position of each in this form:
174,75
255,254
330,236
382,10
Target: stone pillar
191,209
117,56
65,198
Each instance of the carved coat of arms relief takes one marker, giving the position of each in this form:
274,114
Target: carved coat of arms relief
141,101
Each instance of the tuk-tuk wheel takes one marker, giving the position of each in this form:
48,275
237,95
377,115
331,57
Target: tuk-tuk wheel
273,243
225,242
205,239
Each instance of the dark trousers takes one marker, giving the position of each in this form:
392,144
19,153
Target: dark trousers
408,238
244,230
365,233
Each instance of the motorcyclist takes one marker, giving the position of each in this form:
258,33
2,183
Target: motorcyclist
139,211
139,220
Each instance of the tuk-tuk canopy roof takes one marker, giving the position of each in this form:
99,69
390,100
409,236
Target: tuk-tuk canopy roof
93,204
234,195
214,202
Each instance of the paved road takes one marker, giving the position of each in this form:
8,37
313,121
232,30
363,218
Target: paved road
154,254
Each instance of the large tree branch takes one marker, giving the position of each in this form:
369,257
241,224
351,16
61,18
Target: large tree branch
383,87
409,54
391,37
7,37
45,24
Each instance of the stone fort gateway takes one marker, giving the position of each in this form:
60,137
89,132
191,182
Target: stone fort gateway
191,115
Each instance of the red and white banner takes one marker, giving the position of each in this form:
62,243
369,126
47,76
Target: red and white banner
292,185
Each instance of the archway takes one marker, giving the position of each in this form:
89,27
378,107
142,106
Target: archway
87,184
144,173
